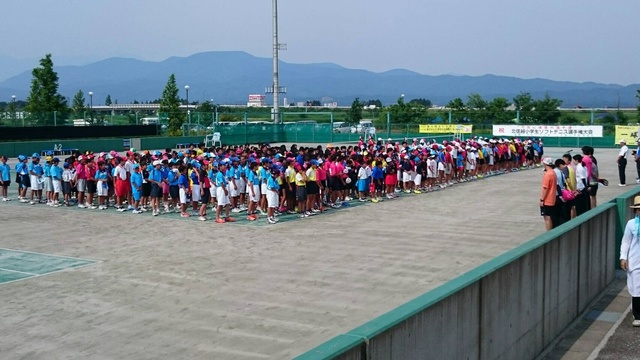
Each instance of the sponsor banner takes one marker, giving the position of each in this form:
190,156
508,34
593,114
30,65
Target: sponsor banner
547,130
446,129
628,133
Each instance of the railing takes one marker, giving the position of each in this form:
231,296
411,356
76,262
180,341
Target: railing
511,307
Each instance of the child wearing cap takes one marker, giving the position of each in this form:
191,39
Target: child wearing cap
56,182
36,173
121,179
205,194
377,176
5,177
194,176
183,189
222,195
253,190
102,187
364,178
68,179
48,181
136,188
91,170
155,178
174,190
313,188
273,190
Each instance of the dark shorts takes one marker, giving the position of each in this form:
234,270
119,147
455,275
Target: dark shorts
174,191
156,191
66,187
25,181
548,211
594,190
6,183
301,193
91,187
206,196
312,188
480,161
380,186
146,189
292,192
336,184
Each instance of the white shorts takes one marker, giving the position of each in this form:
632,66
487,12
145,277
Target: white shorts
102,189
81,185
57,186
35,184
195,193
48,184
221,197
183,196
430,174
233,192
242,186
272,199
440,166
256,193
263,189
418,179
447,169
212,192
406,176
399,175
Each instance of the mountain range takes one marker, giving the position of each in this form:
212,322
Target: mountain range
228,77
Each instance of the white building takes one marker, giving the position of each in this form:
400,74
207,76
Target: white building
257,101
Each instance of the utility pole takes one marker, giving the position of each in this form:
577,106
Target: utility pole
276,89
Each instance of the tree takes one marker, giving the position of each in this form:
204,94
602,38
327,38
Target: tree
206,112
170,106
524,105
546,110
476,102
638,97
377,103
107,101
421,102
456,105
497,110
354,115
78,107
43,98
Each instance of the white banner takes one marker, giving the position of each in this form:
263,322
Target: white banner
547,131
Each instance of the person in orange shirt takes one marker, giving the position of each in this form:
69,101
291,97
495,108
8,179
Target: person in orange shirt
548,194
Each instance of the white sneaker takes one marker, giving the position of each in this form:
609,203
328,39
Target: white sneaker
272,220
4,199
637,181
155,213
130,208
82,206
202,218
235,210
92,207
621,185
134,211
636,323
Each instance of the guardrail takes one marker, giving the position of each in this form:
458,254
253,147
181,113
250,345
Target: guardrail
511,307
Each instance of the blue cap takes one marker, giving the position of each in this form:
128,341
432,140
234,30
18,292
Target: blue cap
180,154
49,153
36,155
66,165
278,156
136,166
235,159
21,157
55,160
157,153
197,165
416,159
314,162
215,164
187,151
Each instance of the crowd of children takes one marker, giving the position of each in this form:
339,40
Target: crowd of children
261,179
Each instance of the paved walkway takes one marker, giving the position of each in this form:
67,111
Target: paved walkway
166,288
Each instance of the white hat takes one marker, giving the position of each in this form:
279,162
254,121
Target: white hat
157,162
623,141
548,161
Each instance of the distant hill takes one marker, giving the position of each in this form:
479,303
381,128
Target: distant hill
229,77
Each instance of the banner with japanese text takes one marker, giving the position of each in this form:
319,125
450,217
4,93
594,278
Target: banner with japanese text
446,129
627,133
547,130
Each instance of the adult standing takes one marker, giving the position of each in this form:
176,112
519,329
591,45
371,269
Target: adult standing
622,162
630,259
636,157
548,194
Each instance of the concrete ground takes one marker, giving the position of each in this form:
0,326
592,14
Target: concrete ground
170,289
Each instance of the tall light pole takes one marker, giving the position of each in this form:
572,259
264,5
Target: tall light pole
13,109
91,105
186,88
276,89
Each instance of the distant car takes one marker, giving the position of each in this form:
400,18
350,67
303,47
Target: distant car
365,127
341,127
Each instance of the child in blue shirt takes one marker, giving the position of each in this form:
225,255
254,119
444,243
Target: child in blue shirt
5,177
273,189
136,188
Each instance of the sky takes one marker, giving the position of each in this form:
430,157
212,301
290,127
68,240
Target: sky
572,40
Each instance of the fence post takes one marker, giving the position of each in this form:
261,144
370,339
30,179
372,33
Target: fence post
450,116
331,129
592,116
388,124
55,118
246,140
517,116
621,207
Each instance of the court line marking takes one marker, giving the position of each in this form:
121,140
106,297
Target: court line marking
19,272
45,274
50,255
